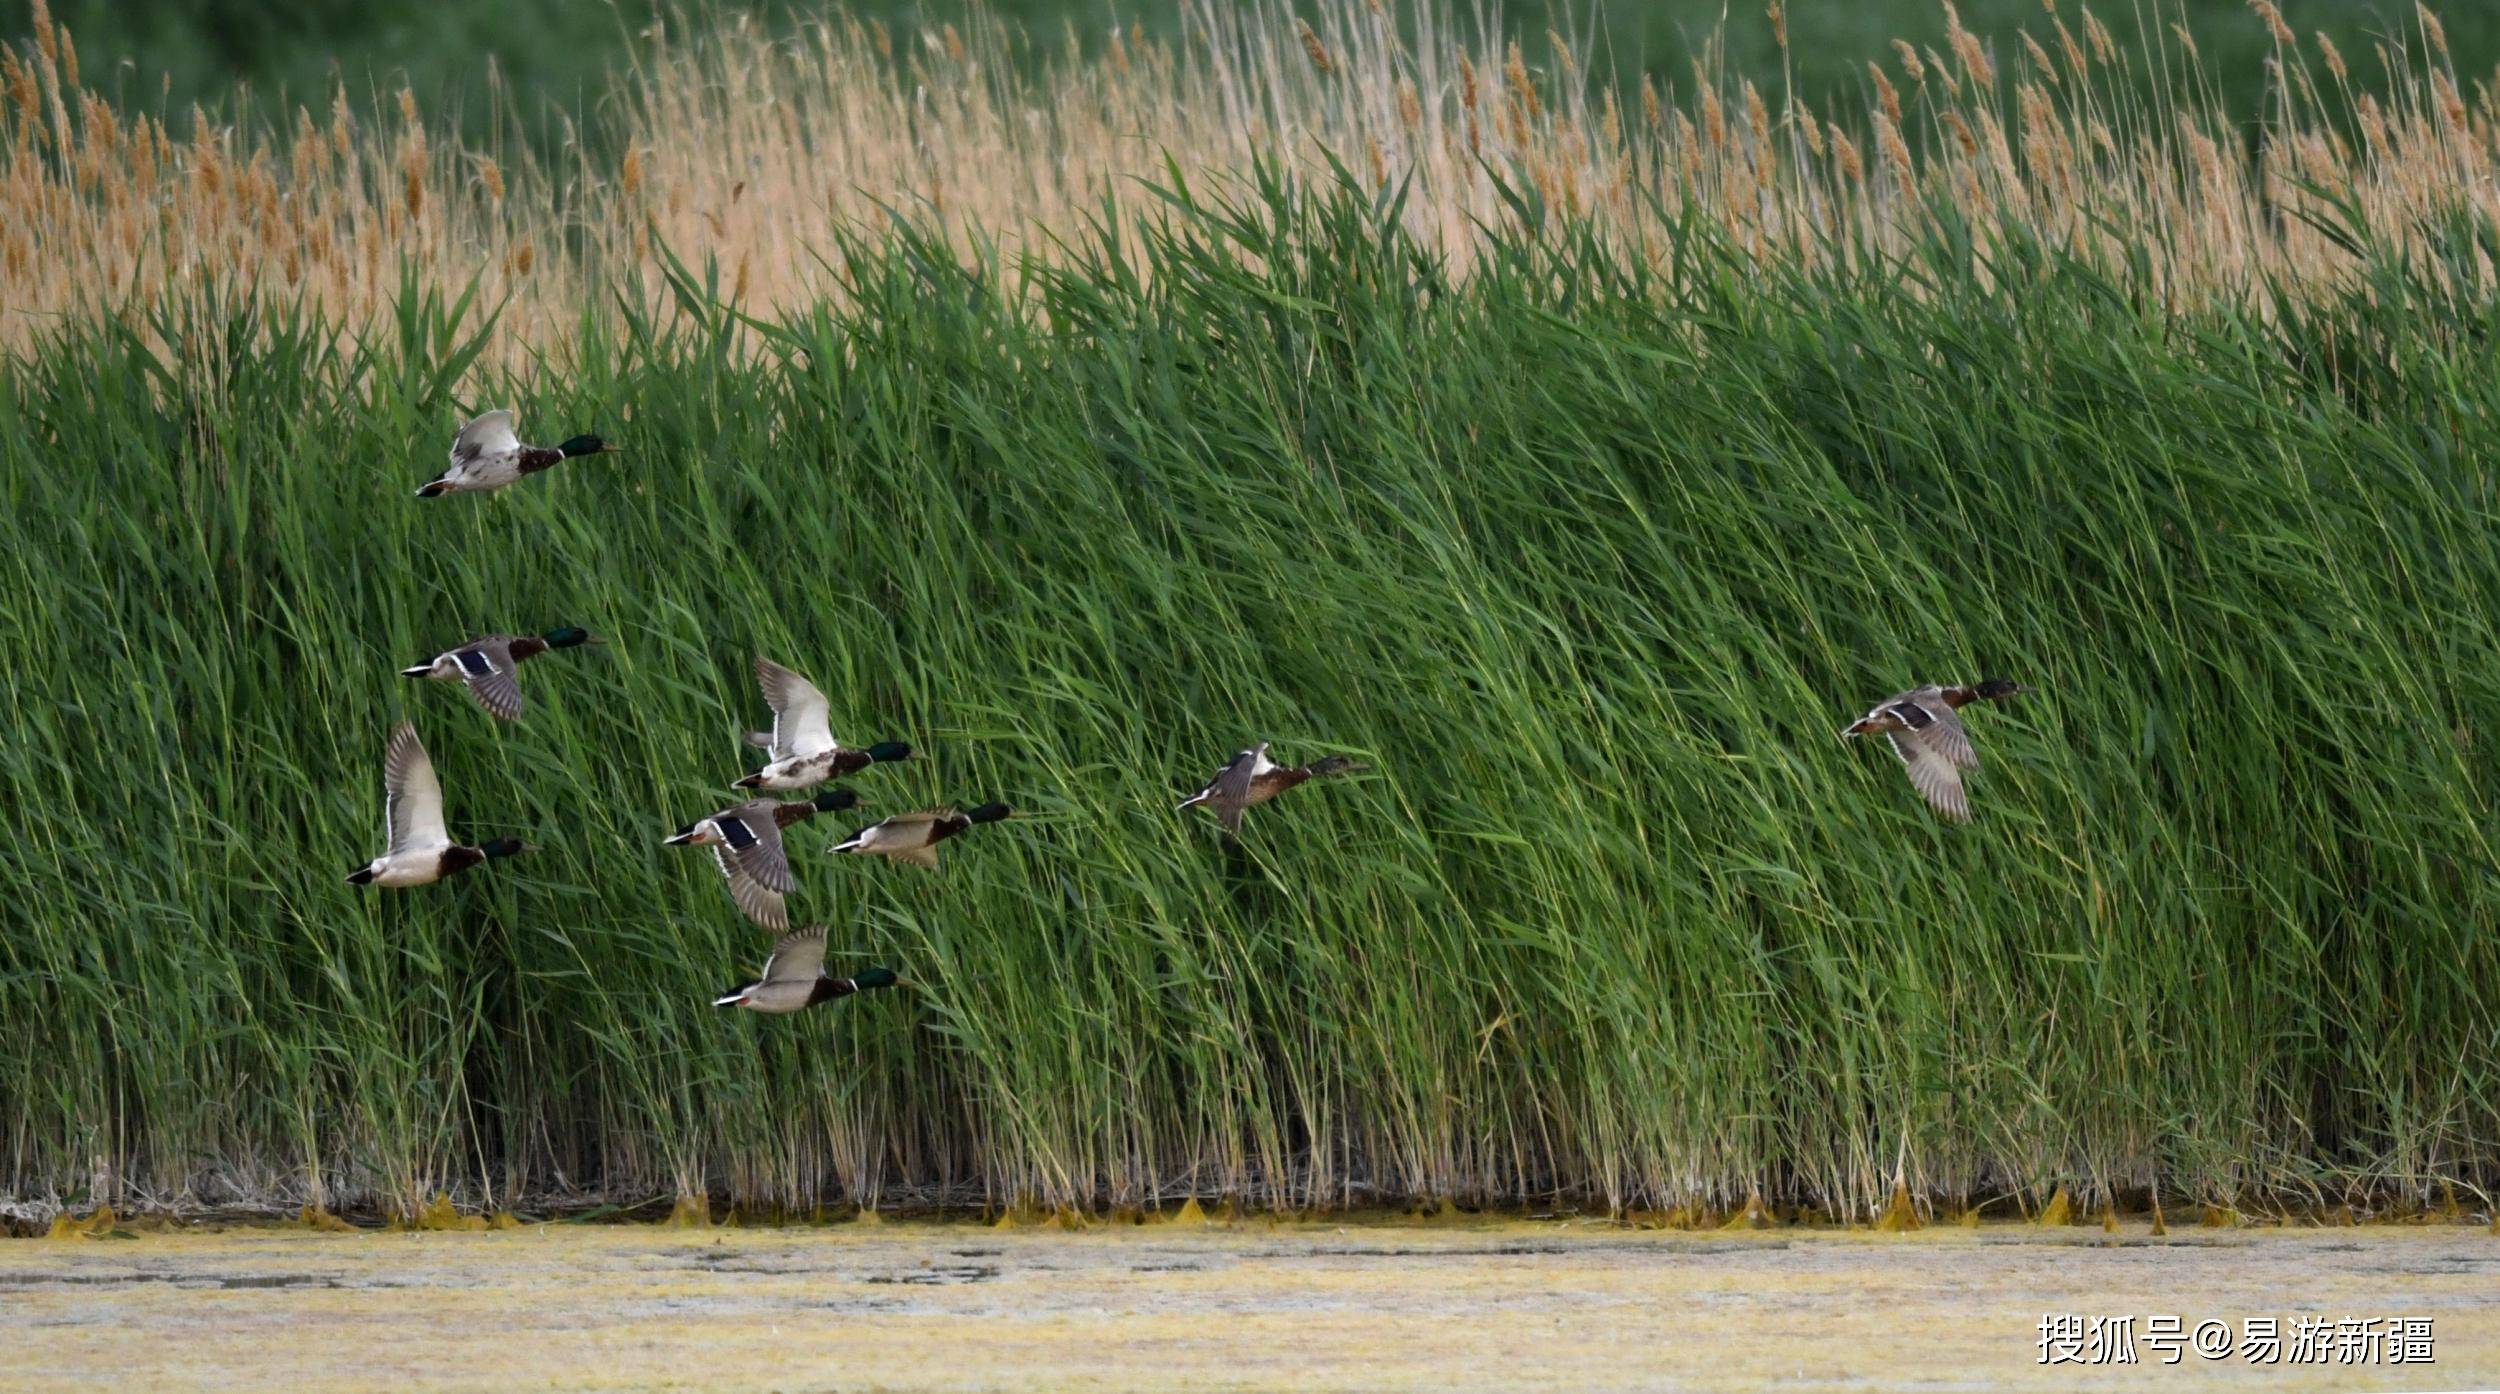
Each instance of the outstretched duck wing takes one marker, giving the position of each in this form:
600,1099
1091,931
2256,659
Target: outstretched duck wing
413,806
802,718
487,667
1948,737
1229,790
798,956
1931,774
757,902
752,840
488,435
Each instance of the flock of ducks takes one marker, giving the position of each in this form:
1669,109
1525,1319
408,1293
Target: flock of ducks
1923,726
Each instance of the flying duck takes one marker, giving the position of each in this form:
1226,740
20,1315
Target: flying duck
1924,726
800,750
746,842
420,852
914,837
1250,779
794,977
486,455
487,665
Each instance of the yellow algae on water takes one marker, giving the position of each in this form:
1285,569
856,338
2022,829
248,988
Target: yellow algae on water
2060,1210
95,1226
690,1212
1755,1215
1191,1214
441,1214
2221,1217
1363,1305
318,1217
1901,1215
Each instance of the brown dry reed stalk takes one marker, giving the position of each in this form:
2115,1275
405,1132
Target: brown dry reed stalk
753,153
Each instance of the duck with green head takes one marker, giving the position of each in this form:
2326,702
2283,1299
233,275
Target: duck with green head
487,665
420,852
746,844
800,751
488,454
794,978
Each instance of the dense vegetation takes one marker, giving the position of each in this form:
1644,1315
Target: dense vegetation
551,60
1590,558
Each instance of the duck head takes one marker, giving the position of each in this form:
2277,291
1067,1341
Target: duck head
989,813
586,445
884,751
506,847
1997,689
570,637
836,800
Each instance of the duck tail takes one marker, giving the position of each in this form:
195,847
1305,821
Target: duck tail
361,876
434,489
851,844
753,781
422,670
1859,727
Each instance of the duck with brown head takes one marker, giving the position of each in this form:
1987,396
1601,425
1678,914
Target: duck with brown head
914,837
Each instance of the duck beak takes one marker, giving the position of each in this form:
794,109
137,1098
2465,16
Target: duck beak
595,639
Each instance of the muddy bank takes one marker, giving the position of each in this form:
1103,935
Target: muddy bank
1508,1304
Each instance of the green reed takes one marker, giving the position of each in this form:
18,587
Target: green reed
1590,560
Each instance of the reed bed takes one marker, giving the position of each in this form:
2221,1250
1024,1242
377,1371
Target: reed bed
1586,522
758,156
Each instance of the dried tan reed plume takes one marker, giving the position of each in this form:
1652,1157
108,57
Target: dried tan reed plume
1312,46
2332,56
753,154
2432,30
1911,67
